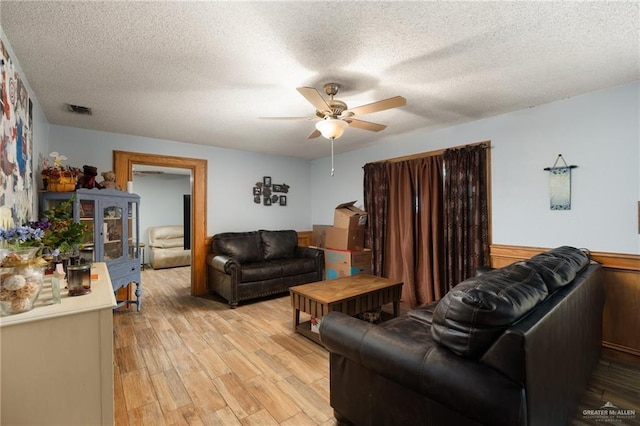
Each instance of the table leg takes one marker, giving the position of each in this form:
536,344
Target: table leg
296,318
396,308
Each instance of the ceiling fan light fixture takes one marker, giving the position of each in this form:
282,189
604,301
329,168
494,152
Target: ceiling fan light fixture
331,128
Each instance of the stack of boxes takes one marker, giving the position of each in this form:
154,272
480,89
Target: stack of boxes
343,243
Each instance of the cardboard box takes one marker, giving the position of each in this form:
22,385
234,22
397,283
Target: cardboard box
343,263
348,216
344,239
319,235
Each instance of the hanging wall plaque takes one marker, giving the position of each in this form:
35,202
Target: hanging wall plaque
560,185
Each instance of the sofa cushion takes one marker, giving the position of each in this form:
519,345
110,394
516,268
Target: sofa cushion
168,243
244,247
469,318
558,267
165,232
260,271
279,244
295,266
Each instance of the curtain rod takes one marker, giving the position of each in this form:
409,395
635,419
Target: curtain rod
487,144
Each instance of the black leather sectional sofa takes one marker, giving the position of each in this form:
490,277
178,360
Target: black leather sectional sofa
512,346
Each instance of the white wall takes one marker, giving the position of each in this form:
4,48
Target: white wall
163,200
40,145
598,132
231,176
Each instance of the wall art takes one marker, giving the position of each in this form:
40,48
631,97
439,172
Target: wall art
560,185
16,150
265,192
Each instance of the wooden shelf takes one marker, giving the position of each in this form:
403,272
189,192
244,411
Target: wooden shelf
304,328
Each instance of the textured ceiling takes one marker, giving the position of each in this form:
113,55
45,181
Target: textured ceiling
205,72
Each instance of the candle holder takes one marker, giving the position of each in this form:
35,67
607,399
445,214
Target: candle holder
79,279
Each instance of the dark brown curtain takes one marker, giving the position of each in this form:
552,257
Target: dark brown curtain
404,202
466,220
376,188
414,245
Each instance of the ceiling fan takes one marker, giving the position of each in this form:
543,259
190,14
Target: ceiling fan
334,116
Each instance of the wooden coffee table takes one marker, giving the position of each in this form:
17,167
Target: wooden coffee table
350,295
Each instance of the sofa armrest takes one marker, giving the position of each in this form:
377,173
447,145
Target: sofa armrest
309,252
225,264
426,368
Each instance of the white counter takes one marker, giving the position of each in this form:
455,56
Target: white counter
57,360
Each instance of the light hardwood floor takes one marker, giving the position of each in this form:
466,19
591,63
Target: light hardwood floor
184,360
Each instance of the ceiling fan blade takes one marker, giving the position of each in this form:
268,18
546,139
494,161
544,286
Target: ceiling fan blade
315,98
287,118
365,125
394,102
314,134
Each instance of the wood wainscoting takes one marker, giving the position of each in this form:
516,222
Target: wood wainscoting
621,317
304,238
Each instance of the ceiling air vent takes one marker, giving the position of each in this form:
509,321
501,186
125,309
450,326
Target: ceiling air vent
78,109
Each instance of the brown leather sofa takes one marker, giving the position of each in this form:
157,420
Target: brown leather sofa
512,346
249,265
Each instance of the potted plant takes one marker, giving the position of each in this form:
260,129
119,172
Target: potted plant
61,233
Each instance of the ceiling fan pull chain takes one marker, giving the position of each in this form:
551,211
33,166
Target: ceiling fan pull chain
332,170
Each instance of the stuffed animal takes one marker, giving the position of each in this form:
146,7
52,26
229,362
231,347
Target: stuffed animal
88,178
109,181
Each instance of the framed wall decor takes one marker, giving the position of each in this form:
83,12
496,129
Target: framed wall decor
267,193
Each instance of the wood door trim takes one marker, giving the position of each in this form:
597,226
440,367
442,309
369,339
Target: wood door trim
123,162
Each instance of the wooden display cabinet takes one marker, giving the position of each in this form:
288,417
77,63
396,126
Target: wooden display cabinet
113,218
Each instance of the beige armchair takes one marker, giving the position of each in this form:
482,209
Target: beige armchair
166,247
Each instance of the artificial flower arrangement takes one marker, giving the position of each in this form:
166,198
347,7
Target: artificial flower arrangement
55,230
61,232
58,177
22,236
21,270
22,267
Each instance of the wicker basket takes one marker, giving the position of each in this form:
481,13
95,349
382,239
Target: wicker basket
62,182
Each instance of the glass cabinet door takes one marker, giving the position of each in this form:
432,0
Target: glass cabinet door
86,216
132,238
113,232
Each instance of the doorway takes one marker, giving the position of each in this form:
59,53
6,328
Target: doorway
124,162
